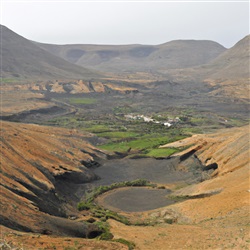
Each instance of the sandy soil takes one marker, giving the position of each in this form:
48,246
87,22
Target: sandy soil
209,236
11,239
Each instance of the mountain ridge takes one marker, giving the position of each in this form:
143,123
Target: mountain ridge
136,57
20,59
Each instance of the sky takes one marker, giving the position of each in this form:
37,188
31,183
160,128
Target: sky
126,22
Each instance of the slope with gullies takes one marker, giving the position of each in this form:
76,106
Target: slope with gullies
39,165
229,150
35,156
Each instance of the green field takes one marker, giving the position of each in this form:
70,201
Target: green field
136,136
118,134
9,80
146,146
82,101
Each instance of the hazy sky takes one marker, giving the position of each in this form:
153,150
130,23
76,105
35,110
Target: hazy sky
126,22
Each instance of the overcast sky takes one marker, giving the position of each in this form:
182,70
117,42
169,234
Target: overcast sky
126,22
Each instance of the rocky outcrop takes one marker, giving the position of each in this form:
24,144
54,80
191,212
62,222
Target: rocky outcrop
223,151
225,196
79,86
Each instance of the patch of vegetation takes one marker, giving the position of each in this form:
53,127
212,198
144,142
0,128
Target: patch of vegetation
181,185
104,214
130,244
147,146
118,134
235,122
191,130
125,109
144,223
8,80
107,235
115,146
102,189
82,101
98,128
178,197
104,226
136,137
101,213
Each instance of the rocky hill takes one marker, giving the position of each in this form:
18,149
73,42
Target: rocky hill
22,58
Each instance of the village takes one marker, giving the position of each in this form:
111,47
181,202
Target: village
168,123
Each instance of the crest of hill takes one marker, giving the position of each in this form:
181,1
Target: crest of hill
136,57
22,58
226,76
233,63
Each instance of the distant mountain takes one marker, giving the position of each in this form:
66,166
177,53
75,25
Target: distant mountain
22,58
227,75
133,58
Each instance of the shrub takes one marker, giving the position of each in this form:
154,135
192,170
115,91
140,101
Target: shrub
130,244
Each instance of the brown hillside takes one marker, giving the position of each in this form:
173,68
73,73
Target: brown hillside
228,148
32,170
24,97
36,162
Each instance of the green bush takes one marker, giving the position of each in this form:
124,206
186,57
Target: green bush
130,244
84,206
104,227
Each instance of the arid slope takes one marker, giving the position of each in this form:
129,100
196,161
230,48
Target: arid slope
36,162
22,58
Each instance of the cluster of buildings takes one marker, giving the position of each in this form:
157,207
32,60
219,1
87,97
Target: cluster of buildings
168,123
